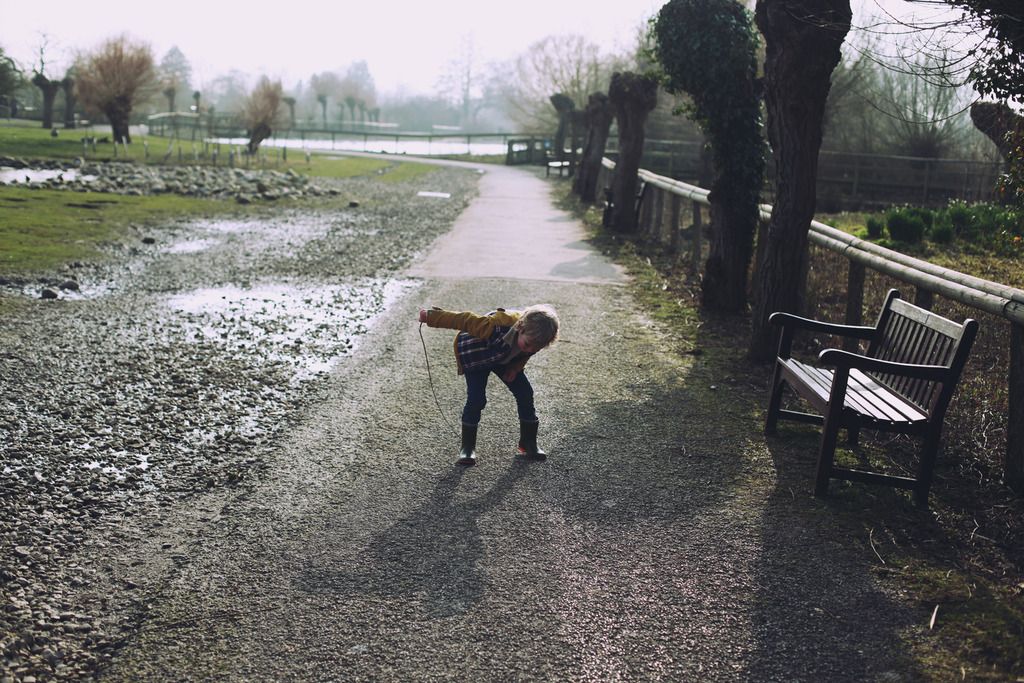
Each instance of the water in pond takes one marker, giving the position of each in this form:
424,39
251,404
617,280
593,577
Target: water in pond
37,175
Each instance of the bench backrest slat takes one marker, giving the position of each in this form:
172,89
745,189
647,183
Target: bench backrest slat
909,334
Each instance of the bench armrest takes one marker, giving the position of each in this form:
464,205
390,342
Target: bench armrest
789,320
845,359
789,323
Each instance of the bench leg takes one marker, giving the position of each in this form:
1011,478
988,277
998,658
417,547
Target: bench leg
929,452
774,401
826,456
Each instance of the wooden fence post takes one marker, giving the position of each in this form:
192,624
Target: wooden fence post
659,217
674,235
695,246
1013,470
854,300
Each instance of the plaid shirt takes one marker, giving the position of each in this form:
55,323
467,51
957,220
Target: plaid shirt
483,342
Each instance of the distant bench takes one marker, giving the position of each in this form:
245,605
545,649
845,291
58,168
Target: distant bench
903,384
560,166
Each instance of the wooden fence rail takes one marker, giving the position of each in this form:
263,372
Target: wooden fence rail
927,278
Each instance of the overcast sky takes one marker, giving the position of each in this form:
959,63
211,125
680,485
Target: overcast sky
406,43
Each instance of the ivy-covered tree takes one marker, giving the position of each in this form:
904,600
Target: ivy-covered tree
802,41
708,50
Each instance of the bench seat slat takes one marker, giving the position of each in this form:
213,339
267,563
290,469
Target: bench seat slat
864,395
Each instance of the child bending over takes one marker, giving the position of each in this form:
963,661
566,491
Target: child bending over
500,342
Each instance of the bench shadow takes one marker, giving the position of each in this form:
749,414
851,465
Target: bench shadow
822,611
431,554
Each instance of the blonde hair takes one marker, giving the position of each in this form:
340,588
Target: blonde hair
539,324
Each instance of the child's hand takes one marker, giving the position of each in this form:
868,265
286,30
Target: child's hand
509,375
423,316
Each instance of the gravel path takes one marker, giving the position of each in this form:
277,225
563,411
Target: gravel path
650,545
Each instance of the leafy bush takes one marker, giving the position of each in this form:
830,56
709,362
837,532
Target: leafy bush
960,217
927,216
875,227
905,224
942,232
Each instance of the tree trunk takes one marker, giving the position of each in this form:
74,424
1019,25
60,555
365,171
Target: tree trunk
633,97
802,41
68,84
733,222
1000,124
564,105
599,122
49,89
119,114
260,133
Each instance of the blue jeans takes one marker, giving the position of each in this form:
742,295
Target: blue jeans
476,395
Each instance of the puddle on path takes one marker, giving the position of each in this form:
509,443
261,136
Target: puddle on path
307,326
191,246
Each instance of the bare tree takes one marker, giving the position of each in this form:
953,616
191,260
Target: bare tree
568,64
114,78
262,111
48,87
925,112
461,81
325,85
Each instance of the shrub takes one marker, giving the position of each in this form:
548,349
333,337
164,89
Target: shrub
905,225
927,216
942,232
960,217
875,227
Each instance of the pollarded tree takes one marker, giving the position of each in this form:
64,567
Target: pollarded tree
598,124
632,96
114,78
802,40
708,50
565,106
290,103
262,111
70,98
49,89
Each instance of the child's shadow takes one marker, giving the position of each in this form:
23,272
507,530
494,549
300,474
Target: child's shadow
431,554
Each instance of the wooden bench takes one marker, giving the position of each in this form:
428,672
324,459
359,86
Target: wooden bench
560,166
902,383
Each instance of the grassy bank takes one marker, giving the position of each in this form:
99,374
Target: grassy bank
40,230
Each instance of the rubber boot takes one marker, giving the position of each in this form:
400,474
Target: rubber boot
467,454
528,441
